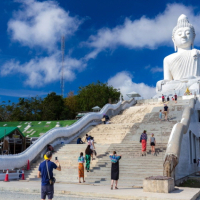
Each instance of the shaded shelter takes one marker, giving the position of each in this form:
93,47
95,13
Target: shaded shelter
96,109
12,140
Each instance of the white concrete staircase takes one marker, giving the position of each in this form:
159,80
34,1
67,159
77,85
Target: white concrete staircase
122,135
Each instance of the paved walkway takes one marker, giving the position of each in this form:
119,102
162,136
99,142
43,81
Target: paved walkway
88,191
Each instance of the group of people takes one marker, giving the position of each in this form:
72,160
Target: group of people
89,153
152,142
165,112
174,98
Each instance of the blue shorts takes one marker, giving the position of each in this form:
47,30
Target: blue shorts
47,190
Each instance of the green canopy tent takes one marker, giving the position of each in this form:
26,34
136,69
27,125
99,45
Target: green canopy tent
12,140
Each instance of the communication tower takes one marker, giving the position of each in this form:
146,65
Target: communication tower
63,63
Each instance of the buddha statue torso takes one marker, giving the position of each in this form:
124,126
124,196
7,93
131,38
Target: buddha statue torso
182,65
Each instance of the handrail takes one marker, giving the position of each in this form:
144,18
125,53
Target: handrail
174,144
19,160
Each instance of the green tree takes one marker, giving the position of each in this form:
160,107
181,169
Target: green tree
72,105
96,94
53,107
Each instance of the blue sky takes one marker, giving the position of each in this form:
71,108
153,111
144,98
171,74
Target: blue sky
119,42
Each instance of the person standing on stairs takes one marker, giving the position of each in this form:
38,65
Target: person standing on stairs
175,97
114,158
88,153
81,161
163,98
166,111
152,144
160,115
87,138
45,172
143,140
92,147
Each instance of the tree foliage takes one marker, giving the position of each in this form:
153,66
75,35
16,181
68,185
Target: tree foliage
55,107
96,94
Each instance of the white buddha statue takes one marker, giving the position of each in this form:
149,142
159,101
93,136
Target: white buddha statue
181,69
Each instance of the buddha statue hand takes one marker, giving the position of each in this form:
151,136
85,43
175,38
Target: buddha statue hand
195,53
159,85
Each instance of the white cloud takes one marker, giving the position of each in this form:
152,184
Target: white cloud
143,32
123,80
41,24
156,69
41,71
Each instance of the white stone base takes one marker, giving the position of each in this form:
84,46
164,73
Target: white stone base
158,186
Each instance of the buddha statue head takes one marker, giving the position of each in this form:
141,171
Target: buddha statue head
183,34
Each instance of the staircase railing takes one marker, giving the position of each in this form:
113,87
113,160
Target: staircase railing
174,144
19,160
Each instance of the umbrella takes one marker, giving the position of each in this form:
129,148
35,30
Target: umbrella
133,94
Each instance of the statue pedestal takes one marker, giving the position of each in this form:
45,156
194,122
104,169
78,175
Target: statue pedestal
158,184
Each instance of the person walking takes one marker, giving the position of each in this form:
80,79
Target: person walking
45,172
160,115
143,140
168,98
81,162
114,158
92,147
152,144
163,98
175,97
87,138
88,153
166,111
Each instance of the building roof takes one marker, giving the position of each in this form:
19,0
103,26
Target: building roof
9,130
96,108
133,94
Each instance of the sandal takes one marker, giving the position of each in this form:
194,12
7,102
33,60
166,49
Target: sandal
111,187
116,188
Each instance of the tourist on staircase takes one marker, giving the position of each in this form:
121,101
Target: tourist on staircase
168,98
163,98
166,111
160,115
143,140
79,141
81,161
45,172
152,144
88,153
87,138
114,169
175,97
106,118
92,147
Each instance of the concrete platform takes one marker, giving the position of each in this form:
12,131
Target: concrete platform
86,190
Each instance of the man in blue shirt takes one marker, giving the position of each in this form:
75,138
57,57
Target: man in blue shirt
46,188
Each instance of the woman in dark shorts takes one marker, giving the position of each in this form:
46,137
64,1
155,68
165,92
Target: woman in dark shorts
152,144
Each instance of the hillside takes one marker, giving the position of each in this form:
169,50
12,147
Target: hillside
37,128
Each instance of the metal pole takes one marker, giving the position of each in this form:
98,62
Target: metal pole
4,139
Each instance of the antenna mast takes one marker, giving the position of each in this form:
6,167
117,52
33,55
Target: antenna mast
63,60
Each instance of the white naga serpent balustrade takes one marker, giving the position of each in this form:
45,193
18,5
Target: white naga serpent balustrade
20,160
